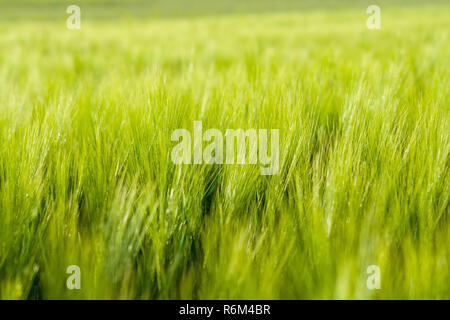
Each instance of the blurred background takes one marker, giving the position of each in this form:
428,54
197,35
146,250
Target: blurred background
101,9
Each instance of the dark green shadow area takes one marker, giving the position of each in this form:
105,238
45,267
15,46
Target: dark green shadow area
113,9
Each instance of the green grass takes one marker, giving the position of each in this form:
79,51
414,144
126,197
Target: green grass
86,177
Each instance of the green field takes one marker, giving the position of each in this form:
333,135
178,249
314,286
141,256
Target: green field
86,178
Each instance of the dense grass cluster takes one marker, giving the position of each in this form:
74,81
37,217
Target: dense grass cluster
86,177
